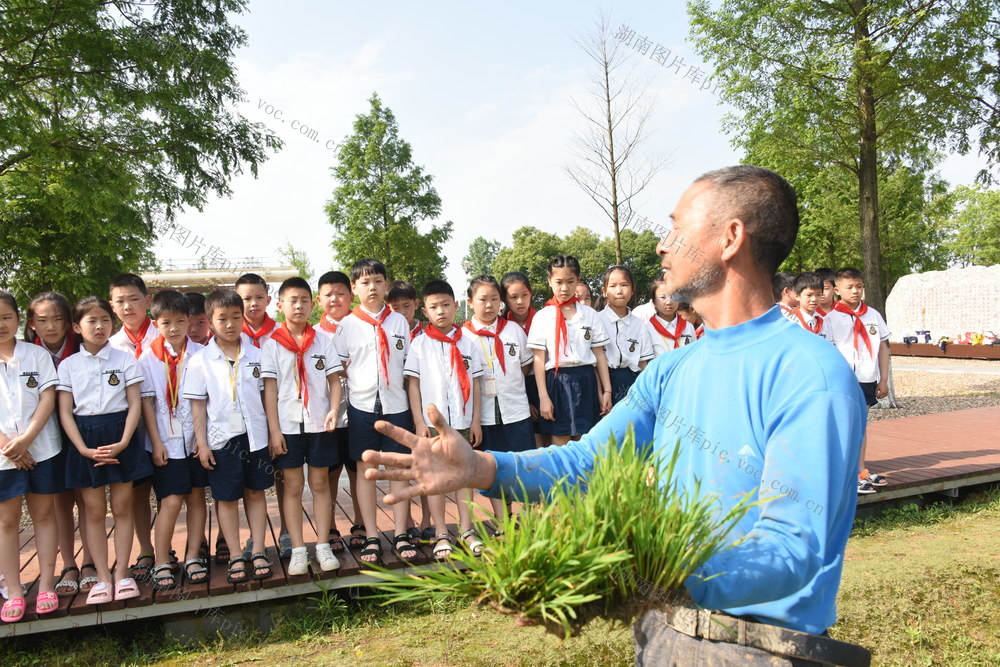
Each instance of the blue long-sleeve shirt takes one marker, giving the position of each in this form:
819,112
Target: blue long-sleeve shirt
765,407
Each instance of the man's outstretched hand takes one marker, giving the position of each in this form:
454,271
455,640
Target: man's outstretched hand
437,465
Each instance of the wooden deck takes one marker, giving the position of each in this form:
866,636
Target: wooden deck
928,454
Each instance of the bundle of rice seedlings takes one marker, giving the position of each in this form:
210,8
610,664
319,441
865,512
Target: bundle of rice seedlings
589,546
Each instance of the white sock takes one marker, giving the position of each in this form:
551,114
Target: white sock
300,550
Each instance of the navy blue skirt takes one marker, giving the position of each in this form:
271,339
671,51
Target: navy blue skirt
531,389
573,392
622,380
515,437
97,431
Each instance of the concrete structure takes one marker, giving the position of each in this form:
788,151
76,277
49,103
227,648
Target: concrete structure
946,303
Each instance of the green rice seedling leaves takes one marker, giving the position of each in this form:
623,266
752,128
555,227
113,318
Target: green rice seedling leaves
607,539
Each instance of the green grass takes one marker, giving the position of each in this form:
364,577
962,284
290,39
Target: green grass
920,587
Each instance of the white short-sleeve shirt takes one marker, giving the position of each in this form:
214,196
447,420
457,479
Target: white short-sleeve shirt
98,381
22,381
663,343
179,444
584,330
344,392
210,378
510,389
120,340
838,328
358,345
430,362
629,341
278,363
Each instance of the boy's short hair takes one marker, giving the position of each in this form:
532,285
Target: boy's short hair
196,303
826,275
683,306
808,280
333,278
169,301
222,298
849,273
399,290
295,282
250,279
367,267
438,287
129,280
780,283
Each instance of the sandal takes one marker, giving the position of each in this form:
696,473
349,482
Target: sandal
203,552
126,589
198,574
359,537
401,543
471,539
87,583
876,479
100,593
161,575
257,574
221,551
443,551
141,571
46,596
231,574
284,546
427,535
336,542
372,547
66,587
15,605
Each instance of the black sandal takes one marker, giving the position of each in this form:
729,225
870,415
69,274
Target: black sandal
162,573
336,541
359,536
222,553
427,535
229,575
372,547
253,563
141,571
198,574
408,546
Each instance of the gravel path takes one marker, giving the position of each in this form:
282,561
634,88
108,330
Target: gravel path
924,392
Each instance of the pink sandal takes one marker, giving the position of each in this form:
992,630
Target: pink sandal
13,604
46,596
126,589
100,593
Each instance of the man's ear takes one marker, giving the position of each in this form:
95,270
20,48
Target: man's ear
732,239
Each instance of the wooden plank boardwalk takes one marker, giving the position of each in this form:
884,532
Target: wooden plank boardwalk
925,454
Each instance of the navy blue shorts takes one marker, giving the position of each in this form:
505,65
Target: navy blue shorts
363,435
237,468
516,437
179,477
46,478
531,389
319,450
573,392
868,389
343,438
97,431
622,380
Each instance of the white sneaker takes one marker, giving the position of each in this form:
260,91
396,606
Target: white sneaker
327,561
299,564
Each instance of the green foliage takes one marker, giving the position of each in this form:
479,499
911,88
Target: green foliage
479,261
530,252
113,113
976,226
598,539
380,200
300,260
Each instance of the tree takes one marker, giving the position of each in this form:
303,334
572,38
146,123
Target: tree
530,252
976,227
479,261
113,113
611,167
855,84
297,258
380,200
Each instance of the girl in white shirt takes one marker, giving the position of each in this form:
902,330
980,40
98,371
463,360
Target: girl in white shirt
629,348
667,330
99,407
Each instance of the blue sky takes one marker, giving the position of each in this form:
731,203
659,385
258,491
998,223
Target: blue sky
482,93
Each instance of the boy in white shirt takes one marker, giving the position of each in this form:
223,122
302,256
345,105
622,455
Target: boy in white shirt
301,372
224,386
178,477
862,336
783,285
809,291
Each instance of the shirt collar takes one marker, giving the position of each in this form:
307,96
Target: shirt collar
770,323
613,316
216,351
104,353
479,325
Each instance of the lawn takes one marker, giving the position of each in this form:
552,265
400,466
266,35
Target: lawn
920,587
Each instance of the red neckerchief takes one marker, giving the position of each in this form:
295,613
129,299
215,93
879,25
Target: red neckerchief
497,345
699,331
415,331
859,327
328,325
160,351
787,310
527,321
562,334
68,346
679,326
817,321
457,362
284,338
821,312
265,328
382,339
137,339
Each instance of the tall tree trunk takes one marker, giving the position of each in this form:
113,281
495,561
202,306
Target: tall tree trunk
612,167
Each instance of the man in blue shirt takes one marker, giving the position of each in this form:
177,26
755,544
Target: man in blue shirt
758,405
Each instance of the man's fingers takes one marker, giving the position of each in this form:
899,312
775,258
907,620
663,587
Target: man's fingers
387,459
437,419
401,436
391,474
403,495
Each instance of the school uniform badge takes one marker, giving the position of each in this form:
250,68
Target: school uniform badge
466,363
586,333
512,351
631,348
320,364
31,383
256,371
113,380
399,343
871,329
